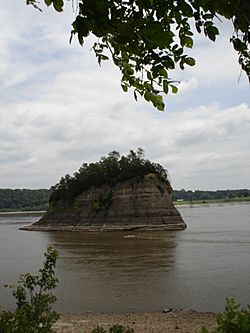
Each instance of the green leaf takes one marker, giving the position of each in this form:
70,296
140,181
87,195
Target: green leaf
182,63
149,76
159,71
186,9
188,42
155,34
165,86
239,45
48,2
160,106
81,26
190,61
159,103
177,15
162,71
179,51
124,87
174,89
147,86
58,5
148,96
211,31
125,30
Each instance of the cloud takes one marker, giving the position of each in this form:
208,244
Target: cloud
195,145
187,86
59,109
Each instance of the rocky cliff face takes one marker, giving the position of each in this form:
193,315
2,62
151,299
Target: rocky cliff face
144,204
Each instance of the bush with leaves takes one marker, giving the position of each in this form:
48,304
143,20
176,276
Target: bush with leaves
34,313
233,319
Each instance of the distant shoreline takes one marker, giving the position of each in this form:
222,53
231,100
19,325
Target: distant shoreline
24,212
187,203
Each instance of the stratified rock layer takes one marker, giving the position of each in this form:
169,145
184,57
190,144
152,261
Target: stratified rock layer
144,204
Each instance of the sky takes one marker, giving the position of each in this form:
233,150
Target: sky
59,109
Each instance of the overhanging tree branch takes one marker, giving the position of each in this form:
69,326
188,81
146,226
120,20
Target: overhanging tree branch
155,35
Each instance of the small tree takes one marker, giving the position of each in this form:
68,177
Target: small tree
233,319
34,313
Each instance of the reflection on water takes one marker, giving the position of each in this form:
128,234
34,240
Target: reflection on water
119,272
111,270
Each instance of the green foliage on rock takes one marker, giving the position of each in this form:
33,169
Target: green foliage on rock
233,319
104,201
109,170
147,39
34,313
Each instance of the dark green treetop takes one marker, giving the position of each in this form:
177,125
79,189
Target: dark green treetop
109,170
146,39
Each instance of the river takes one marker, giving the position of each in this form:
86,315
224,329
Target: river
138,271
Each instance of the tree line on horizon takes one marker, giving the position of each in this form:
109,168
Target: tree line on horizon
24,199
209,195
37,200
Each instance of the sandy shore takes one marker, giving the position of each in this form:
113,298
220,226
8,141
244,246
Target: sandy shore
156,322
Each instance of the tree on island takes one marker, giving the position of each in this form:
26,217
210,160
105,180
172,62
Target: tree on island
146,39
109,170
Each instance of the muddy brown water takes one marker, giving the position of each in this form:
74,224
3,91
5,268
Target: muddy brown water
138,271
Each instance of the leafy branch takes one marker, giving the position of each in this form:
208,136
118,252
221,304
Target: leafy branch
154,37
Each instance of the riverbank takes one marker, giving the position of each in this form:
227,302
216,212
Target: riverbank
208,202
153,322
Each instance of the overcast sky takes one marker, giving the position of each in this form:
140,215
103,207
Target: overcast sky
58,109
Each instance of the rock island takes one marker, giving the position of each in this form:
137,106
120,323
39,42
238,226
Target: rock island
116,193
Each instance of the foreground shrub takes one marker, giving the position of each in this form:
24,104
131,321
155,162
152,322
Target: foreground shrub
233,319
34,313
